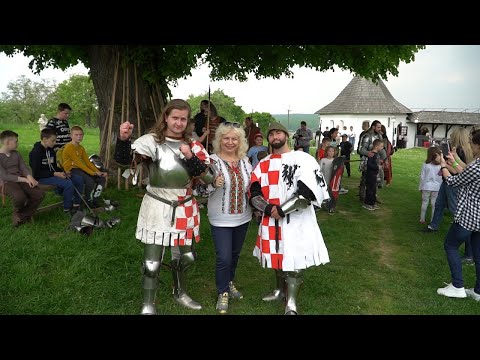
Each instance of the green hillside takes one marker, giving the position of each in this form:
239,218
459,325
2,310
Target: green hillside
312,120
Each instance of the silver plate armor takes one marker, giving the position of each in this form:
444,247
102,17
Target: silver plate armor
168,171
296,202
210,174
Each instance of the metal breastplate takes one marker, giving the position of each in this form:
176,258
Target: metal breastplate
168,171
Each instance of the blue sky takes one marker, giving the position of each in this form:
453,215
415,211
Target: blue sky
442,76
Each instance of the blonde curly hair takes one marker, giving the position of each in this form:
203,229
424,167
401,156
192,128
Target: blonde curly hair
222,130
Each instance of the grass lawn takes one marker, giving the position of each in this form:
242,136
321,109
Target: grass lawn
381,263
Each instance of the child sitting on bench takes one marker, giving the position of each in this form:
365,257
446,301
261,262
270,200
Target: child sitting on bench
45,170
17,180
75,160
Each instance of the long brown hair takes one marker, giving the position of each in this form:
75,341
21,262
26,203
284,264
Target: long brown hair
432,153
160,127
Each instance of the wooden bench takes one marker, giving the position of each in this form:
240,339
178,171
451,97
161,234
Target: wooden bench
49,207
40,209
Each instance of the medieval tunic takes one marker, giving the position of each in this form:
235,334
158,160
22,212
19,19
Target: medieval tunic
154,224
300,242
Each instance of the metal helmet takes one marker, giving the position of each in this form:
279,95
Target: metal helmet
95,160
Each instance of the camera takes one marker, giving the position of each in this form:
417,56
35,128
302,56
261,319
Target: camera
446,147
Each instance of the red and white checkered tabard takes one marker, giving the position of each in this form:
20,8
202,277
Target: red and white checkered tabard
300,241
268,173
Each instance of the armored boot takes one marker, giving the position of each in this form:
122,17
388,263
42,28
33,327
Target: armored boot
279,292
150,270
179,266
294,281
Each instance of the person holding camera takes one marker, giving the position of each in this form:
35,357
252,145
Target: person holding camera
466,225
302,137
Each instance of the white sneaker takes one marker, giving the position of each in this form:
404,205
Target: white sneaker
452,291
472,294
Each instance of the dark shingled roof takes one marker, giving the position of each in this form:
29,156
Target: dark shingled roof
362,96
445,117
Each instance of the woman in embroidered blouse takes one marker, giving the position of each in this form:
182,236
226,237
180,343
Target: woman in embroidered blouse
229,212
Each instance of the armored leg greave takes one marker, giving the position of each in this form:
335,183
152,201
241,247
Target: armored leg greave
279,292
179,266
150,270
294,281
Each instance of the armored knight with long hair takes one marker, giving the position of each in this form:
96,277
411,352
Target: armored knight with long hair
169,215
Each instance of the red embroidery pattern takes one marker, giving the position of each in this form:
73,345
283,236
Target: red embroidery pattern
237,189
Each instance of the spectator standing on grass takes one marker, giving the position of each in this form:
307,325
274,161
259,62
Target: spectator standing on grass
60,124
430,181
466,225
303,136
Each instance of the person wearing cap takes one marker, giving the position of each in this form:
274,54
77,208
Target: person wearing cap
284,187
252,153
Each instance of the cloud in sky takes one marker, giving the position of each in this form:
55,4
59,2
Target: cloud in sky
442,76
13,67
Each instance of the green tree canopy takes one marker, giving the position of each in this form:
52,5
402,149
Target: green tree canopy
78,92
168,63
160,66
263,120
225,105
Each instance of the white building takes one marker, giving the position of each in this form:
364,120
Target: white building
362,100
439,124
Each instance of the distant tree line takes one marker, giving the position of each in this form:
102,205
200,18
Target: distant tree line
228,109
25,100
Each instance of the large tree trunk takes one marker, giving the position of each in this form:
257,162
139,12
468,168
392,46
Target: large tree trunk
103,60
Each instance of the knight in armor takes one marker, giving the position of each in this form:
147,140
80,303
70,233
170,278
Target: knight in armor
284,187
365,151
169,214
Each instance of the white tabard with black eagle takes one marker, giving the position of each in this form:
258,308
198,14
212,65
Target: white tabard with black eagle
300,242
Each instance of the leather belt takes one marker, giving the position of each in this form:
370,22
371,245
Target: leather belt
173,203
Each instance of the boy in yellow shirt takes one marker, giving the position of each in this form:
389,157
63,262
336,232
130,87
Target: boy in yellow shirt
76,162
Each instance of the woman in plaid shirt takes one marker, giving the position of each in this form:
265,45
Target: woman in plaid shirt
467,219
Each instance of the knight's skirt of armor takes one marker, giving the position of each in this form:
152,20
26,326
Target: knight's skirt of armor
300,242
154,224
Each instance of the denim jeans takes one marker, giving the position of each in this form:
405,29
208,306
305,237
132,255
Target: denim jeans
228,244
446,194
70,196
455,237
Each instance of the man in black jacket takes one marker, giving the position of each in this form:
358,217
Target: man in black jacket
45,170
